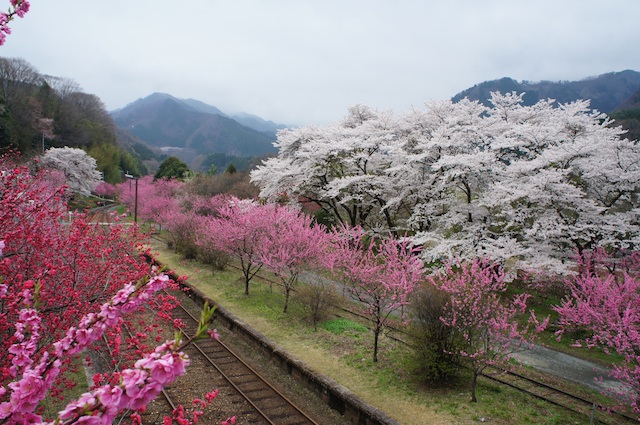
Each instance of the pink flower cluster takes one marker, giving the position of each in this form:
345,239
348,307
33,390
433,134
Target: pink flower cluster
33,379
181,415
20,7
137,387
22,351
608,305
93,325
230,421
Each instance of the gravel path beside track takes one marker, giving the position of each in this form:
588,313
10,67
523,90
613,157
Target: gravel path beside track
564,366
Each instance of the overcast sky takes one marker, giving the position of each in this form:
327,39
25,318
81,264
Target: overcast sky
301,62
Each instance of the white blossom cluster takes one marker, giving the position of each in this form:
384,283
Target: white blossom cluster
80,169
524,185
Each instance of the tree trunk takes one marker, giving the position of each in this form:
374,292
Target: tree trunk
287,290
245,271
246,283
468,193
474,384
387,216
375,344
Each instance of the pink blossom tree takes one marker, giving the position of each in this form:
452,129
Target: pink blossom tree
239,229
607,305
478,313
105,190
184,216
52,271
379,273
152,198
293,243
34,372
183,226
63,257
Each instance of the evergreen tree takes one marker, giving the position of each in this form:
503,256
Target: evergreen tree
173,167
231,169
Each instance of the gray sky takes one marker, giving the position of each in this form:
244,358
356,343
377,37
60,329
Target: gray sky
302,62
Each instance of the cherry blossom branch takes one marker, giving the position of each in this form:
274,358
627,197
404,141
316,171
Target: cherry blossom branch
137,386
24,394
18,8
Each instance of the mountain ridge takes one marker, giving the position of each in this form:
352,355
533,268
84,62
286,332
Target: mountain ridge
606,91
192,130
246,119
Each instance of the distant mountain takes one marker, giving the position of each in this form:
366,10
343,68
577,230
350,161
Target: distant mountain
632,102
191,129
606,92
627,115
203,107
257,123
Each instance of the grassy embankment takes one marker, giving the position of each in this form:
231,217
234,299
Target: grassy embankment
342,350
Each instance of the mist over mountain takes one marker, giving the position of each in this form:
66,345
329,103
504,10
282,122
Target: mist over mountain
257,123
191,129
196,132
607,92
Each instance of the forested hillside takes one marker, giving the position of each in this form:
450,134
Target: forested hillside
40,111
196,132
628,116
606,92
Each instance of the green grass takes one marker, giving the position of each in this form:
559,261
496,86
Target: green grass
343,350
342,325
120,209
76,374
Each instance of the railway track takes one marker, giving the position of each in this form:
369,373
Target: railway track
246,395
256,400
532,387
597,413
162,406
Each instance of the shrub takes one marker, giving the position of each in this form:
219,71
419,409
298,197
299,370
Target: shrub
436,345
319,298
217,259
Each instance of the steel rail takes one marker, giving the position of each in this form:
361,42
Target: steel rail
525,391
253,371
162,391
578,399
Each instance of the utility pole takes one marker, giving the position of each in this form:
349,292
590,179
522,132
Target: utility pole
135,208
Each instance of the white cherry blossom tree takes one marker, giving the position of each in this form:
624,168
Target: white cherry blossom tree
451,156
568,182
341,167
525,185
80,169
